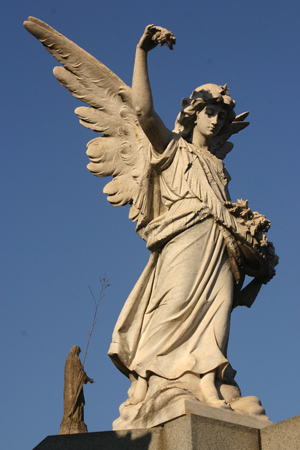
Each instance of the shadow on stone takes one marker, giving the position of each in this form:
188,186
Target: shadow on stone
121,440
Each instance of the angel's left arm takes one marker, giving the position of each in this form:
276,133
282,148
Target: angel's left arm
154,128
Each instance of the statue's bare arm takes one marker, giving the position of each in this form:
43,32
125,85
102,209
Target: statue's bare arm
154,128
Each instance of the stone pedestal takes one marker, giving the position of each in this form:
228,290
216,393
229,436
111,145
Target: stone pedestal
181,407
189,432
282,436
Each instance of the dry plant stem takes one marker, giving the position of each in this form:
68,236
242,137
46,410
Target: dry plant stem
104,285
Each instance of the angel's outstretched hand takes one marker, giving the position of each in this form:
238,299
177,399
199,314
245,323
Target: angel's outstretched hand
156,35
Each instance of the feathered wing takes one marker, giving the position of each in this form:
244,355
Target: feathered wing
121,150
220,145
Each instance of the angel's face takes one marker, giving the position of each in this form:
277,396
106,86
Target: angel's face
210,120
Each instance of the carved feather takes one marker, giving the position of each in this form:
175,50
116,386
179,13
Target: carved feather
238,126
104,157
241,117
220,146
115,191
84,76
121,151
97,120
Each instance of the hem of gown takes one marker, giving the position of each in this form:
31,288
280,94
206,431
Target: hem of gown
115,350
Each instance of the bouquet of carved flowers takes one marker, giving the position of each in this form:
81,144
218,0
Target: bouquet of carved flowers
257,225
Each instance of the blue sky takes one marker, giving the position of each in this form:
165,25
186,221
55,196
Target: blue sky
60,235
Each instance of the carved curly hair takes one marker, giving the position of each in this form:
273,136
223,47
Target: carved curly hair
201,97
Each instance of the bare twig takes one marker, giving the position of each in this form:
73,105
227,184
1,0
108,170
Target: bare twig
104,285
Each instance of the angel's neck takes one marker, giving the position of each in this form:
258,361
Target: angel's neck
200,141
205,146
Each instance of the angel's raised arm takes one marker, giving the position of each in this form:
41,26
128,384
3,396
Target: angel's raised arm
154,128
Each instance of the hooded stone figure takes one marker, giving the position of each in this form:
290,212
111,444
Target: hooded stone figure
75,378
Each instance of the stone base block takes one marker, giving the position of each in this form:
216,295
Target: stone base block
189,432
180,407
282,436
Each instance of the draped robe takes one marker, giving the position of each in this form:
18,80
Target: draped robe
75,378
176,320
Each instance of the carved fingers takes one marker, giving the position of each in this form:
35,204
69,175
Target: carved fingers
163,36
154,35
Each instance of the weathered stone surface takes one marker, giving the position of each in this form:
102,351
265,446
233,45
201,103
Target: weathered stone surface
282,436
185,433
180,406
107,440
189,432
200,433
75,378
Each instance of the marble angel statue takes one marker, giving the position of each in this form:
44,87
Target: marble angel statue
172,334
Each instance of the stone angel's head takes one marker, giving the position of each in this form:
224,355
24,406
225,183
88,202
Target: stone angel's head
202,97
